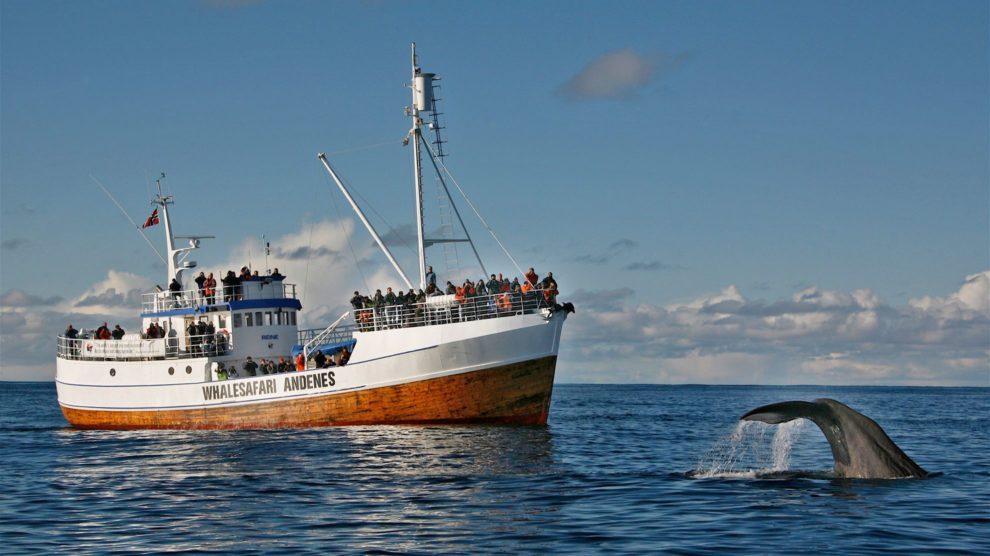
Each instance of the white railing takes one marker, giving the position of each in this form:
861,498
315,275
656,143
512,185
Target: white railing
166,300
446,309
142,349
324,337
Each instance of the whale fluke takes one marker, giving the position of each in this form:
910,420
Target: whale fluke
860,448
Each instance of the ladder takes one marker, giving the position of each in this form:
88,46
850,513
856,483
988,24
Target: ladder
322,337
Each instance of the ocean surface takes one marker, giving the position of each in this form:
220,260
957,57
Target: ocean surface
620,469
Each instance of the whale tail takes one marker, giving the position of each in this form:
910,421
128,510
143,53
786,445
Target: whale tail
860,447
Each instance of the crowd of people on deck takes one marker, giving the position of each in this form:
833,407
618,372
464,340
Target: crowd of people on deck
271,367
203,337
102,332
230,290
482,299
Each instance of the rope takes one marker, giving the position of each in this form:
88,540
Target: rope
476,213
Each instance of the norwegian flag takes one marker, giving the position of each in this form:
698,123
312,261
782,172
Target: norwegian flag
152,220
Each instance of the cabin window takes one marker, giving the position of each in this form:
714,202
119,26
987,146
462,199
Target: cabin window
171,370
268,318
257,318
279,315
221,321
237,320
248,321
292,317
188,370
113,372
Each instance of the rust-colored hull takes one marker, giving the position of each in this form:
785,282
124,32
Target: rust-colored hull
518,394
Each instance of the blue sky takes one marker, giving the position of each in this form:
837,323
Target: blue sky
662,158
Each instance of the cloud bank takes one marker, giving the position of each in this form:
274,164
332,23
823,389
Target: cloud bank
815,337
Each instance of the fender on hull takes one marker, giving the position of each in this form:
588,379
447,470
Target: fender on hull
517,393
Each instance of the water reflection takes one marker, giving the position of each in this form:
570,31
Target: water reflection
365,480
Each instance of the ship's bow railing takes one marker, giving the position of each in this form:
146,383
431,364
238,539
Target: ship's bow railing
447,309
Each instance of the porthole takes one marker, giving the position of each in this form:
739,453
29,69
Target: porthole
171,370
113,372
188,370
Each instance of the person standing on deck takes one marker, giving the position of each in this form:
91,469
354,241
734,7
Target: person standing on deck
250,367
210,289
201,285
175,288
531,276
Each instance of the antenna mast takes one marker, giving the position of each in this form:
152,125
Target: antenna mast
422,91
176,257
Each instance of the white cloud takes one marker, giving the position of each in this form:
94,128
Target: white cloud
119,294
616,75
318,261
974,295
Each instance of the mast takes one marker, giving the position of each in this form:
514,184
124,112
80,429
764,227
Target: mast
422,90
364,219
173,254
176,257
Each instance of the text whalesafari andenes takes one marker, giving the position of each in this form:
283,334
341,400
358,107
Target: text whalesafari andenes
234,390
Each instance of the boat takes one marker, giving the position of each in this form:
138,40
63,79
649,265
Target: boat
206,358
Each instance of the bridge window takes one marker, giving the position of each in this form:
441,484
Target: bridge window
237,320
292,317
257,318
268,318
279,315
248,321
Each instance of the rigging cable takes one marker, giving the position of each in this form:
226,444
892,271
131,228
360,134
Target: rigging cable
347,236
138,228
476,213
453,205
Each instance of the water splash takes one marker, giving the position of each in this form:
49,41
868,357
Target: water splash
783,440
747,452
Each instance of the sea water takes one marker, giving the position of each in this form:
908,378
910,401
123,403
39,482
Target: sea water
618,469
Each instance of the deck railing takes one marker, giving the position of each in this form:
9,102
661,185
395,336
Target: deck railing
141,349
439,309
165,300
446,309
